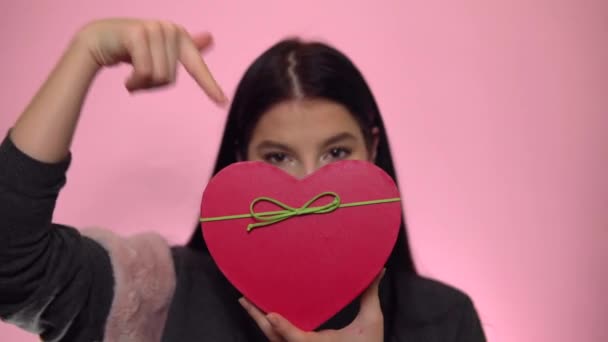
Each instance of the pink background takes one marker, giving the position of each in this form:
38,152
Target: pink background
497,111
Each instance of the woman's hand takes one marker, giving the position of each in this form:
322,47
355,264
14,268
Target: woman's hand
154,48
368,326
45,130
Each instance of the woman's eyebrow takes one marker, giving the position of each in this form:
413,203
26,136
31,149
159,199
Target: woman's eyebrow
269,144
339,138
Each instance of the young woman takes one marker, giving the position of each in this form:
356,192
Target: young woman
299,106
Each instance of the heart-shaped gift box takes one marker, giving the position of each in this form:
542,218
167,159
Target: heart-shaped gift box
304,248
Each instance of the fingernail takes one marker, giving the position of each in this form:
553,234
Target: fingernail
243,302
223,99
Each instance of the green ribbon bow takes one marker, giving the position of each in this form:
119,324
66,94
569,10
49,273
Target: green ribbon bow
271,217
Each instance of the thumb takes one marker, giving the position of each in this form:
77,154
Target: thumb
284,328
370,309
202,41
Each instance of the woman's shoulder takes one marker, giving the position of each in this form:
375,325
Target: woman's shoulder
424,300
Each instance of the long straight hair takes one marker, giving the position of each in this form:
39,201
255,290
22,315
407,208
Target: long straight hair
292,69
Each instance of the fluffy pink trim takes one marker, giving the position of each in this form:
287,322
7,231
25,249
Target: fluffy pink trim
144,277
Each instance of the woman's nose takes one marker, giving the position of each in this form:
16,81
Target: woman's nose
306,169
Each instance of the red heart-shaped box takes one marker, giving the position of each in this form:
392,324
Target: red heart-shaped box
306,268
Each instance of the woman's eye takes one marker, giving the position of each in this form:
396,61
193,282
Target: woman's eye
338,153
275,157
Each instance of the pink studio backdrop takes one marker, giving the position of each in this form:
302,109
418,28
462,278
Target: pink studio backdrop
497,111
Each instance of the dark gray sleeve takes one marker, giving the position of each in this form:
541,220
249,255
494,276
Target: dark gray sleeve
53,281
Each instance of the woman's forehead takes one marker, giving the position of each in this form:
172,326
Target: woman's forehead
310,119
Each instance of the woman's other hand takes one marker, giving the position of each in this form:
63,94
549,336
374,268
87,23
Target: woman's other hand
368,326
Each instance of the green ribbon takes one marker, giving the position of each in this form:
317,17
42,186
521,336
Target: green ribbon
271,217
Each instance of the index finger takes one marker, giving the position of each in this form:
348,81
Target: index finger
191,58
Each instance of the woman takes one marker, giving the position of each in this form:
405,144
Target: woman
299,107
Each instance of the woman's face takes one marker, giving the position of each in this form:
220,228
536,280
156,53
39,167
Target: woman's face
300,136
